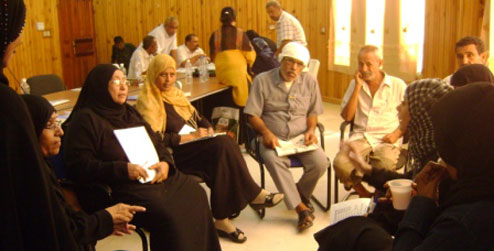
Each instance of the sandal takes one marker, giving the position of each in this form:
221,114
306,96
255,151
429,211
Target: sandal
305,220
268,201
233,236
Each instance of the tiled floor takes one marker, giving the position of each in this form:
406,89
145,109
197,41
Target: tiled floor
277,231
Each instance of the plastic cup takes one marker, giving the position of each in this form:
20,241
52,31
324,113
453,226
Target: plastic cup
401,192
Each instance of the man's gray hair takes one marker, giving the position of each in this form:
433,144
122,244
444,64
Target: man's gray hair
371,48
273,3
171,19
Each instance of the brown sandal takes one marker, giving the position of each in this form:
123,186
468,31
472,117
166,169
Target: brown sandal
305,220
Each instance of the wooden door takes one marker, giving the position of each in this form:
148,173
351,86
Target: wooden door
77,38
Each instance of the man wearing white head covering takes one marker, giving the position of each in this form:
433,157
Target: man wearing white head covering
284,103
371,102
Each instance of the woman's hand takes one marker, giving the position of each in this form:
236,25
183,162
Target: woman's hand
429,178
353,154
199,133
210,131
136,172
161,169
121,215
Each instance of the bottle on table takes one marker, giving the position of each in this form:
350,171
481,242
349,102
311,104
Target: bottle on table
25,86
188,72
203,69
122,67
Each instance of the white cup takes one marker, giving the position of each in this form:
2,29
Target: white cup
401,192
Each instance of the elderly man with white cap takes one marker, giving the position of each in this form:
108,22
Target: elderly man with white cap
371,102
284,103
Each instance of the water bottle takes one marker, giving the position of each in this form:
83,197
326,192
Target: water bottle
25,86
203,69
122,68
188,72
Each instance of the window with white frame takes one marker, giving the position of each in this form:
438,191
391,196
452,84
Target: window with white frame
396,27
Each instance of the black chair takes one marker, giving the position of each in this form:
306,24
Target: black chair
100,194
254,152
45,84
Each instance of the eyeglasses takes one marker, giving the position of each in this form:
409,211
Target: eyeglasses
119,82
54,125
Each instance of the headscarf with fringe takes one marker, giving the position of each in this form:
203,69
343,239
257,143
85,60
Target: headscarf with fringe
150,102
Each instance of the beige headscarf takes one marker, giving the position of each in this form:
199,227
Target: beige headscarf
150,101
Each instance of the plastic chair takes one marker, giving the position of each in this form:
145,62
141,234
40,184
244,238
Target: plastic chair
45,84
253,137
314,66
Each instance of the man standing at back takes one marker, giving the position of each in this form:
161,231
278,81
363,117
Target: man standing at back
166,36
288,28
370,101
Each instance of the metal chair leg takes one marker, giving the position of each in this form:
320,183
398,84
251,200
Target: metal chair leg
144,239
328,192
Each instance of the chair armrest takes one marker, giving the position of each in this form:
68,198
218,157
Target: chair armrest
343,126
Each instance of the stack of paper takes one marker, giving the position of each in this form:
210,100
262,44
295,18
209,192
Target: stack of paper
139,148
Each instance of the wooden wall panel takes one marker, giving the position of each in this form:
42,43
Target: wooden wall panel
37,54
446,22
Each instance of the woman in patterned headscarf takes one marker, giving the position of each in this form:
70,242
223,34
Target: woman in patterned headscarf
419,98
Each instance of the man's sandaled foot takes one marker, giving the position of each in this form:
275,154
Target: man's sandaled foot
236,236
305,220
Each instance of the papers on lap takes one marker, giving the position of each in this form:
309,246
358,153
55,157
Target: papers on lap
349,208
293,146
139,148
186,129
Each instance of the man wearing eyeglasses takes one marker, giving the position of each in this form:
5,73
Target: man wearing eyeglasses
284,103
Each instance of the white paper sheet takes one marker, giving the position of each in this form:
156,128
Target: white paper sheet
139,148
349,208
186,129
59,102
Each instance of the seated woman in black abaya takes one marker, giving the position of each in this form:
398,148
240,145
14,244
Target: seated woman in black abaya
86,229
177,213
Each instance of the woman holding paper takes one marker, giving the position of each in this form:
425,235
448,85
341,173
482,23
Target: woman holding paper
217,160
174,202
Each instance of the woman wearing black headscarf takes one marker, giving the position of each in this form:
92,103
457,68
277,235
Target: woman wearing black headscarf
31,217
471,74
86,229
177,212
461,218
13,15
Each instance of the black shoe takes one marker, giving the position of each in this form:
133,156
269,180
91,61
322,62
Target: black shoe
233,236
268,202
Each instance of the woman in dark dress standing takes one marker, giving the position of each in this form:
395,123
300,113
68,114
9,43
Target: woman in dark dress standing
31,217
177,212
217,160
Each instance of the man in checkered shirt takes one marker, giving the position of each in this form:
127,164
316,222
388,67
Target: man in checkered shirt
288,28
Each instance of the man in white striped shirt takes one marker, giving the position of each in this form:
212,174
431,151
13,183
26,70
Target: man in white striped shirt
288,28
